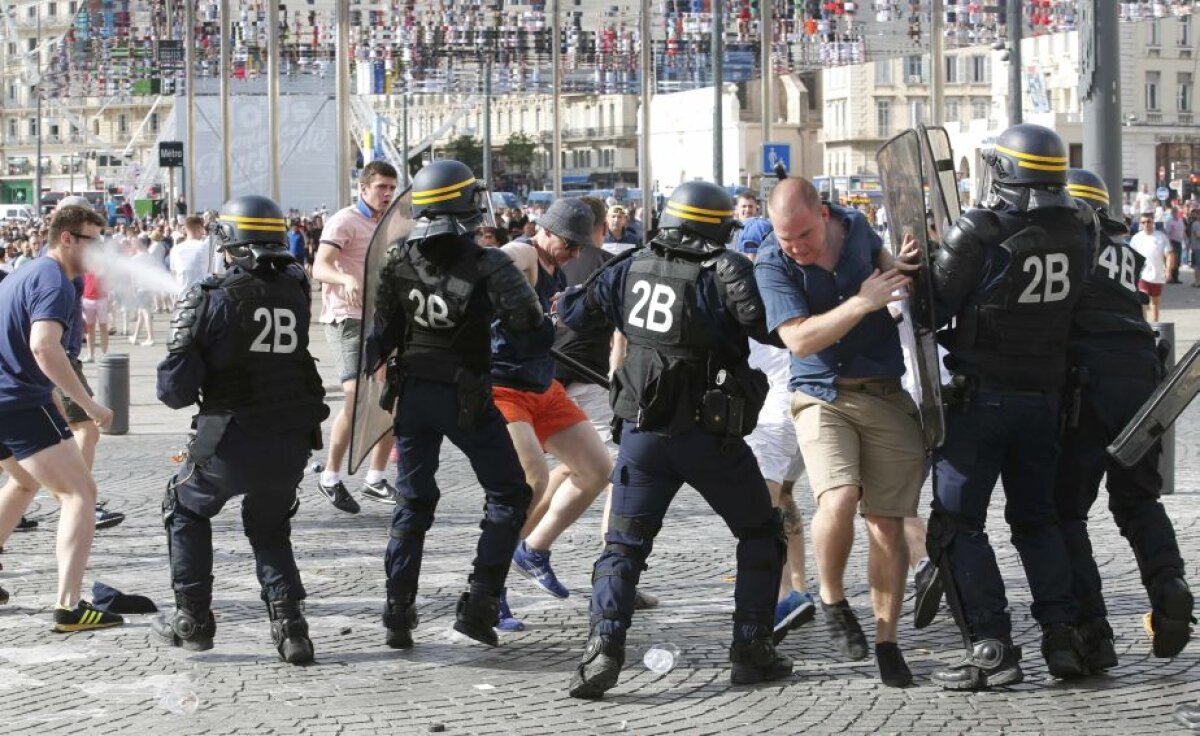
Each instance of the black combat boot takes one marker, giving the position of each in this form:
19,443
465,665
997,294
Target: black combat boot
603,658
1062,648
990,663
190,626
289,631
400,618
757,661
1169,623
1099,652
476,616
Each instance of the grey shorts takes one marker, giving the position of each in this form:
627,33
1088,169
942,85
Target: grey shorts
344,343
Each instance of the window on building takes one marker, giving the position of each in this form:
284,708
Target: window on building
72,7
30,43
12,128
1154,29
1185,30
12,48
1183,101
1152,82
12,92
914,69
951,111
883,118
122,124
96,126
510,121
52,9
153,122
952,75
981,70
564,159
33,126
612,115
916,112
979,109
31,11
883,72
537,119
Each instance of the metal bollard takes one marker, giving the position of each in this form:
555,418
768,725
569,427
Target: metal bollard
1166,462
112,390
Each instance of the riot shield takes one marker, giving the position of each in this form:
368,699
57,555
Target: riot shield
938,167
369,422
1160,411
901,170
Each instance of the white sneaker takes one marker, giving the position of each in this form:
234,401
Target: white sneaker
133,340
147,343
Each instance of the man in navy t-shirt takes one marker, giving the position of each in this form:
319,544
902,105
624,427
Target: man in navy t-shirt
37,311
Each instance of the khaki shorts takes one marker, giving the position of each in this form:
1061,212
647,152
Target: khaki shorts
870,437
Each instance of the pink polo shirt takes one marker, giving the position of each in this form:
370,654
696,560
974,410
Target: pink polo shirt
350,232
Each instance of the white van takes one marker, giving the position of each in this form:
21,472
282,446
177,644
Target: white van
9,212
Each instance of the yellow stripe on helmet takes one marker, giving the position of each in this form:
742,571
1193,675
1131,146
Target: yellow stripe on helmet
240,220
1083,191
1021,156
1041,167
438,198
700,211
693,218
442,190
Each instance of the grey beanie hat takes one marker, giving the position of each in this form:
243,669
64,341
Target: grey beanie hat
570,220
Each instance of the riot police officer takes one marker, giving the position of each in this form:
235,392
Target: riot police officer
683,400
239,349
1009,274
436,297
1114,367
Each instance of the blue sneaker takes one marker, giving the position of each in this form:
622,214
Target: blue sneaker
536,567
508,622
793,612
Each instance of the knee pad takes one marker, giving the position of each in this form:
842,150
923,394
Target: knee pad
620,561
503,516
772,530
172,507
1032,526
417,520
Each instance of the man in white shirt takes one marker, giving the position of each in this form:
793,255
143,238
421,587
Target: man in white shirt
189,259
1144,200
1152,245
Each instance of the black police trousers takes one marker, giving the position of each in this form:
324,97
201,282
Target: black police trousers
1117,384
649,471
427,412
1011,437
267,469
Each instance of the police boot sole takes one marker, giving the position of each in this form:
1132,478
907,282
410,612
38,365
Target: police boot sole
297,651
1170,636
399,639
593,687
929,600
483,634
748,674
983,680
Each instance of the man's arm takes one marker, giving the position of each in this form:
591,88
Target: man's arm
526,258
805,336
326,269
45,341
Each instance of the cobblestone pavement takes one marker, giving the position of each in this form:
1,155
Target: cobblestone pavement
118,681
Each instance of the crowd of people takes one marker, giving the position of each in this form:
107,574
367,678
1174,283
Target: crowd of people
725,349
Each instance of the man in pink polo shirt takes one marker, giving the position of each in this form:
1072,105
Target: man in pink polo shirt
340,266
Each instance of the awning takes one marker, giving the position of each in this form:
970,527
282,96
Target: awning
582,179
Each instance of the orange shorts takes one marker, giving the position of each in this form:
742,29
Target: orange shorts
550,412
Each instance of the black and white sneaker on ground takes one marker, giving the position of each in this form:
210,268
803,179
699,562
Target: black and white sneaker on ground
106,519
380,492
337,495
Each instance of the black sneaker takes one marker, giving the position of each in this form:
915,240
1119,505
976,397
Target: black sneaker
758,661
381,492
893,670
600,668
990,663
337,495
84,618
844,631
1062,649
26,525
106,519
1099,652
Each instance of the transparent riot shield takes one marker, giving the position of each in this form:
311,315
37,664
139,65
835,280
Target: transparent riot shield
370,422
938,168
901,170
1160,411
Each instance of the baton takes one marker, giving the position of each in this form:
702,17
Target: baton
582,369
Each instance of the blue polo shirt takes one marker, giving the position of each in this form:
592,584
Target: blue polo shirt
38,291
871,349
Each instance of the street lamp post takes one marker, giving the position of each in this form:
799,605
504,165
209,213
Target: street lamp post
37,91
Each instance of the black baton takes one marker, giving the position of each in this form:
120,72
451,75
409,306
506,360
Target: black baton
580,368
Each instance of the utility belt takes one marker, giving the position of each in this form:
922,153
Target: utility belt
474,388
962,390
732,405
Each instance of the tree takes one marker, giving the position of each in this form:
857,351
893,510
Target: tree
468,150
518,151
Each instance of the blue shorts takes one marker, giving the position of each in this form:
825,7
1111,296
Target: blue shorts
26,432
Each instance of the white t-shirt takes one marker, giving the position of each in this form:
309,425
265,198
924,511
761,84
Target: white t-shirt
777,364
189,263
1154,248
1145,202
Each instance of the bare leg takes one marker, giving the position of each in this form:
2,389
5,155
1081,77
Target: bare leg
339,432
795,570
104,337
914,537
537,470
581,449
379,454
62,471
15,496
87,436
833,536
90,335
886,563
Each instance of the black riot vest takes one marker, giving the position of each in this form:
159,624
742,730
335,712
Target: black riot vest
442,333
269,370
1023,322
1111,305
671,352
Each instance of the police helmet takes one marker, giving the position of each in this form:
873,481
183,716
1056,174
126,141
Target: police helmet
701,210
252,229
1029,155
1083,184
450,188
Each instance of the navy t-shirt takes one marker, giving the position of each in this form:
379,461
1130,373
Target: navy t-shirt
522,360
38,291
871,349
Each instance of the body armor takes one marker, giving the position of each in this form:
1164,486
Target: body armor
1111,303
